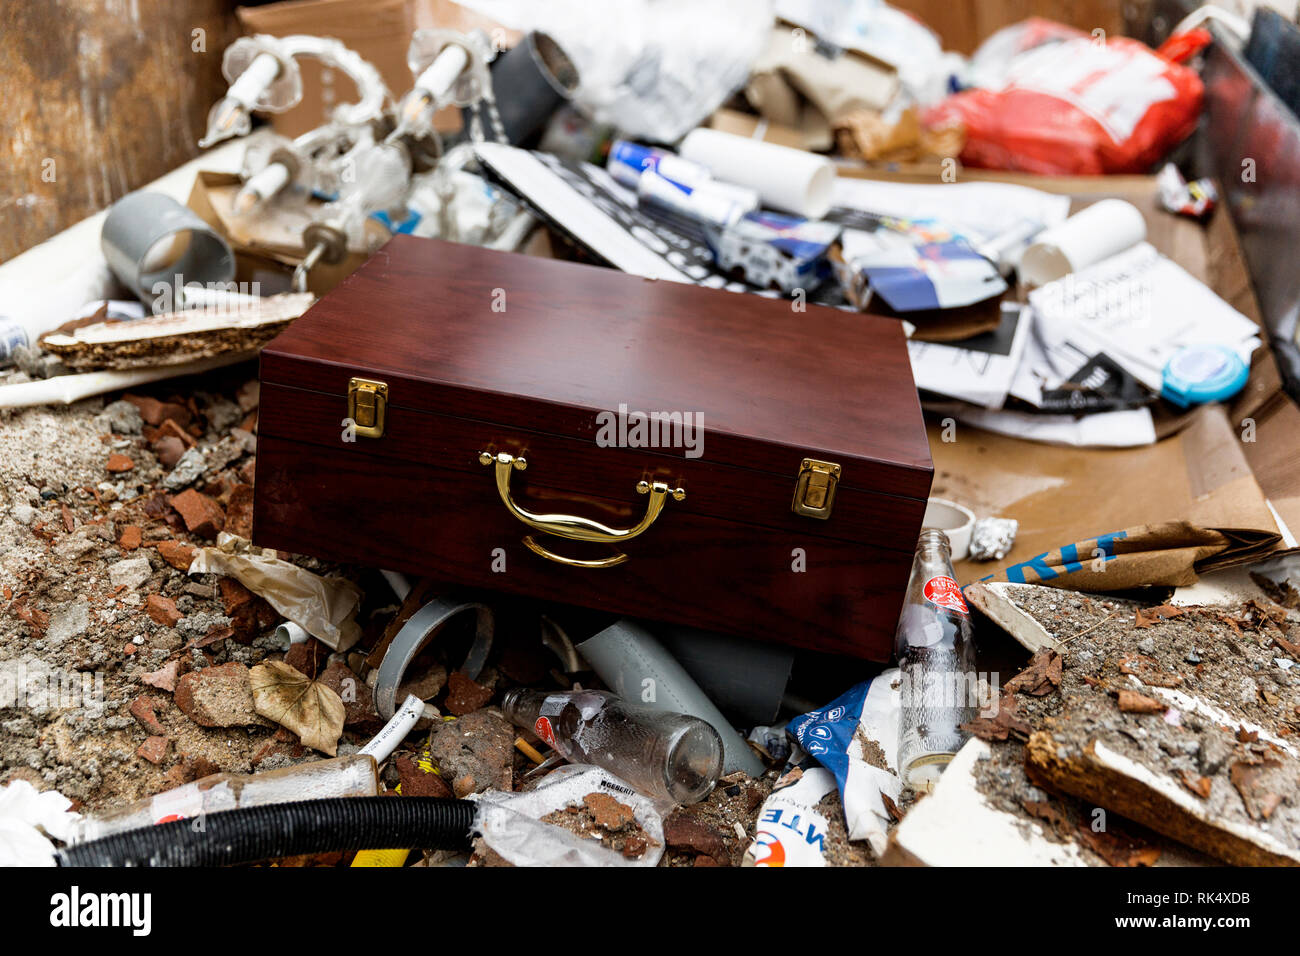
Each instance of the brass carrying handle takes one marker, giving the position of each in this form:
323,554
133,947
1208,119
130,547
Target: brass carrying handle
575,527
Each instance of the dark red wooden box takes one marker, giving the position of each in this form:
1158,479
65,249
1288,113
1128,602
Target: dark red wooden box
393,411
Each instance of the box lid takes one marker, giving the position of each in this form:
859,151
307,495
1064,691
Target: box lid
549,345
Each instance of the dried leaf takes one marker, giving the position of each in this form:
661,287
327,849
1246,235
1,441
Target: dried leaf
309,708
1119,848
1149,671
1198,785
1131,702
1041,677
1251,781
891,807
1047,812
1146,616
1001,725
1288,646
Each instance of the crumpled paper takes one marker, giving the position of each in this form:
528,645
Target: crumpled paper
324,607
511,824
28,818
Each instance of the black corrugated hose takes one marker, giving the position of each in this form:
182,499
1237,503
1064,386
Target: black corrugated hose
252,834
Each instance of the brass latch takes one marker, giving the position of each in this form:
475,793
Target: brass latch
814,492
367,402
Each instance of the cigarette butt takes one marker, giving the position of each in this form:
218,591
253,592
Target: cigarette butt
528,750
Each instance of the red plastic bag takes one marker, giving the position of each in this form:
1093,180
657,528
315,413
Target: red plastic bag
1077,106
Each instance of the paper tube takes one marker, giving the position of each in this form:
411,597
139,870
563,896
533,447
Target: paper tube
787,179
1104,229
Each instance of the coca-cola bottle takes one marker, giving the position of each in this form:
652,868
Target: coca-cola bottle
936,655
664,755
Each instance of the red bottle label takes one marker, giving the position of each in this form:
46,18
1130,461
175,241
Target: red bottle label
543,730
944,592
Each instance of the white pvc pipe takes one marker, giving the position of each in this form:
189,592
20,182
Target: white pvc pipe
442,73
253,82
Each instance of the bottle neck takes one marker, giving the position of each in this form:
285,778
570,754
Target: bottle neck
522,706
933,544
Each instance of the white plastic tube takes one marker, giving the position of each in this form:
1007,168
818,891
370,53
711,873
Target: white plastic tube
437,80
382,745
254,81
1104,229
788,179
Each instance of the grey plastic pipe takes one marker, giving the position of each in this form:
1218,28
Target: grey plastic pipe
632,662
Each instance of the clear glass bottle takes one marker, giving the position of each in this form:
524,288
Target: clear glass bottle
663,755
353,776
936,655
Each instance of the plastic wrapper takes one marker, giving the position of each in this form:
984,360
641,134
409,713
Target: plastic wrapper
772,251
790,831
511,823
325,607
1074,107
855,737
1196,199
652,68
992,538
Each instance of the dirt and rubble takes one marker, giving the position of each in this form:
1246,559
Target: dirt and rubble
1204,700
125,676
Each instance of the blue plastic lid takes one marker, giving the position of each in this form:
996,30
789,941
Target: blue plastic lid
1203,373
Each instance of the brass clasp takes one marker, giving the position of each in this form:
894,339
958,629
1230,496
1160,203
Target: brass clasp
814,490
367,405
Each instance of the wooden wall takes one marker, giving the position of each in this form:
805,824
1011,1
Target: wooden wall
963,24
98,97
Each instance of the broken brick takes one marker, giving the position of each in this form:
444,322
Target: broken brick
155,412
154,749
142,709
168,450
358,699
169,429
117,464
1131,702
233,595
608,813
465,696
239,511
219,696
202,515
418,782
162,610
308,657
164,678
683,831
131,538
176,554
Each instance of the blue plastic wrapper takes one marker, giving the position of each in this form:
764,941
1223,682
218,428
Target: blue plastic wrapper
855,737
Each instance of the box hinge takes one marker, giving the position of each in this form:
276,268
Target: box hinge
367,404
814,490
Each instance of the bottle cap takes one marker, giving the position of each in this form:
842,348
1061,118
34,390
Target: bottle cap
1203,373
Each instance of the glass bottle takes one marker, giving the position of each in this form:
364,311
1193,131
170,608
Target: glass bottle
935,649
663,755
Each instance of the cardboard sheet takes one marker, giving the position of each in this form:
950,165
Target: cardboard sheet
1106,520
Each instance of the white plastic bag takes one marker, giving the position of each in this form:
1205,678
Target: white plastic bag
511,823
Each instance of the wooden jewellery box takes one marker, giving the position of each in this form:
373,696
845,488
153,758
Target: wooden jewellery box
576,434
